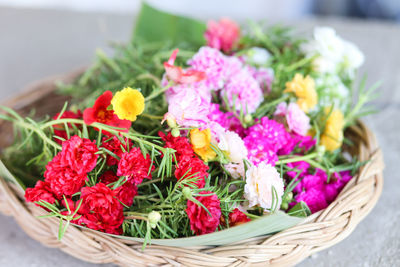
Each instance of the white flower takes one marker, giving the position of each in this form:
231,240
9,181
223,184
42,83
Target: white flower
232,145
332,91
353,58
257,56
333,53
236,170
259,183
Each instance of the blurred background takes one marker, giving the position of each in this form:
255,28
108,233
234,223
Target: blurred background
291,9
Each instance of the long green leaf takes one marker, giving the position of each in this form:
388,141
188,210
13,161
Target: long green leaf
154,25
265,225
6,174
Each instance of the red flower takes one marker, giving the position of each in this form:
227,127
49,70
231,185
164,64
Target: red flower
62,179
41,191
190,168
236,217
124,193
100,113
135,166
101,210
79,154
59,129
178,75
180,144
72,208
200,221
115,146
222,35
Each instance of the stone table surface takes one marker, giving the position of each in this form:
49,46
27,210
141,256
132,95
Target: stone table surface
38,43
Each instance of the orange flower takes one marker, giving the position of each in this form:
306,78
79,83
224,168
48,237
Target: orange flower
332,137
304,89
201,144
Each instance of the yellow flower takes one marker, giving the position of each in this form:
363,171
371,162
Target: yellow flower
128,104
304,89
201,144
332,137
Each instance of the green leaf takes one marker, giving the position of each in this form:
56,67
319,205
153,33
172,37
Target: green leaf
154,25
265,225
300,210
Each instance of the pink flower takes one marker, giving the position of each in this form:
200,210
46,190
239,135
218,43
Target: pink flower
198,88
178,75
243,92
222,35
188,108
217,66
263,76
297,120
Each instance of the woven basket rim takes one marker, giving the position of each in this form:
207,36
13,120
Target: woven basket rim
317,232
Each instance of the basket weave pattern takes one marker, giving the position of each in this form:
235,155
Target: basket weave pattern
317,232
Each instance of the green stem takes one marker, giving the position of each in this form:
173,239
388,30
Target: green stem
104,128
158,92
39,132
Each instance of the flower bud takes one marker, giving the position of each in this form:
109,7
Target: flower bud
175,132
288,197
170,119
248,118
154,217
187,193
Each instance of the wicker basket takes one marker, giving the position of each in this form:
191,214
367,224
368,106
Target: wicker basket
317,232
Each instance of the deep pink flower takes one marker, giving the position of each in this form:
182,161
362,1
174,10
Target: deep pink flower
192,168
41,191
236,217
101,210
135,166
223,34
200,221
314,198
125,192
79,154
115,146
264,139
62,179
180,144
59,130
227,120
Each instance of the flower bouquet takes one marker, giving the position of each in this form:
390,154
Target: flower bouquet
211,145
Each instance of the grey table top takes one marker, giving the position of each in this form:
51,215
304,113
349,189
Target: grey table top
38,43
